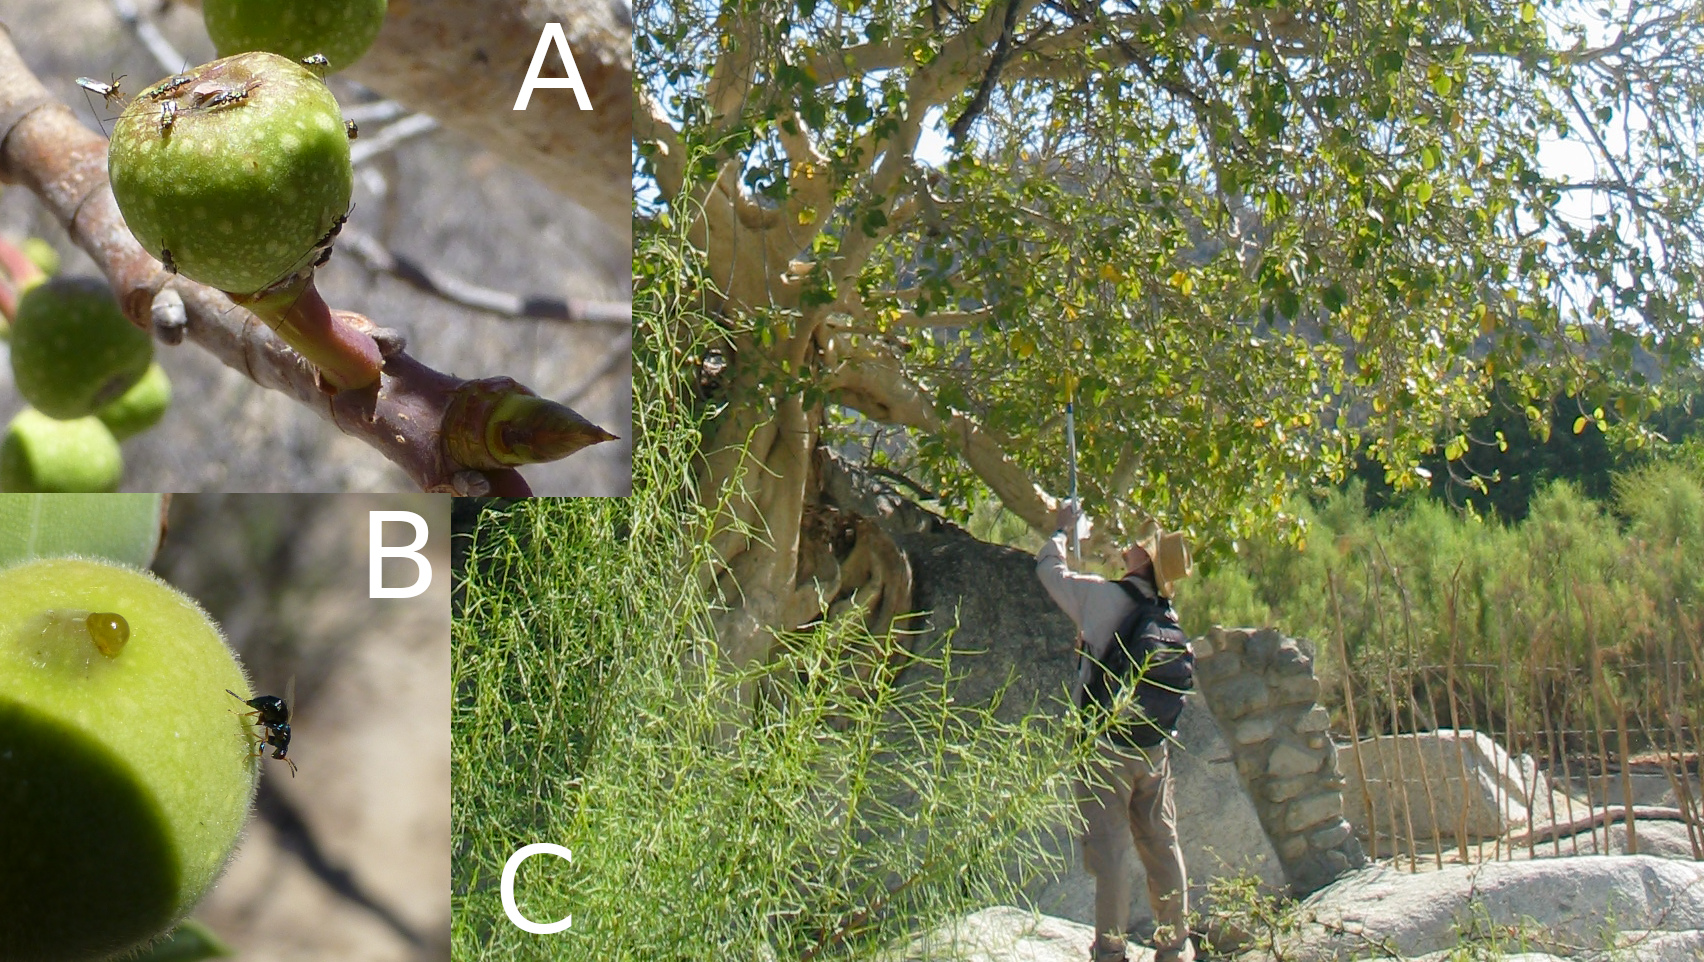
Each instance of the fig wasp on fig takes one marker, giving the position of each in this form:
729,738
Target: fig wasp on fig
272,715
168,85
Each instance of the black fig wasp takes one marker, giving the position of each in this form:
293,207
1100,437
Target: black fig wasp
272,715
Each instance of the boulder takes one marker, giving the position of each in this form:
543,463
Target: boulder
1399,771
1663,839
1562,906
1001,934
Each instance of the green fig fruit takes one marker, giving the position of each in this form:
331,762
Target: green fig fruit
141,407
236,173
72,348
340,30
41,454
125,774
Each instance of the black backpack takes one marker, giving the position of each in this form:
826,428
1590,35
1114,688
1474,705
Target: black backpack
1150,636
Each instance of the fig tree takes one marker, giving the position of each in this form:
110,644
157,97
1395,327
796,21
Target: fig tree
341,30
124,776
72,348
41,454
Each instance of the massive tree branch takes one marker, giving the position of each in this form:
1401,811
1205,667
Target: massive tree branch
878,388
464,62
428,58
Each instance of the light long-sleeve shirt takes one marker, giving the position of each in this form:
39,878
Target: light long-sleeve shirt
1094,604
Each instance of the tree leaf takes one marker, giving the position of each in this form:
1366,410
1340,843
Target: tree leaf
124,528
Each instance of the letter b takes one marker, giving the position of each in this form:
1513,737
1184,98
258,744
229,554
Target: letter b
378,553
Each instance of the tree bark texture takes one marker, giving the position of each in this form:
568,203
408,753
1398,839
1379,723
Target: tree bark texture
464,62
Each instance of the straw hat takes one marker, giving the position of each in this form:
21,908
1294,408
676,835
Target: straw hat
1169,551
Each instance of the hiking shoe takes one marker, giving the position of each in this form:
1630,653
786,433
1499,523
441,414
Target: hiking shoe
1105,950
1180,953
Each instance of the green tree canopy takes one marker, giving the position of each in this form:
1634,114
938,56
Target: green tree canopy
1250,238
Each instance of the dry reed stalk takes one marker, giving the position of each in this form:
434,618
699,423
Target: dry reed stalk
1455,720
1414,705
1395,729
1672,755
1349,705
1626,750
1593,680
1501,794
1533,725
1556,741
1567,670
1694,635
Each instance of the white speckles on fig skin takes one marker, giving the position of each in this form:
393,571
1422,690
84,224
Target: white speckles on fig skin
258,140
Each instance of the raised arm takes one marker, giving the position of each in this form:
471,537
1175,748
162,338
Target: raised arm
1068,589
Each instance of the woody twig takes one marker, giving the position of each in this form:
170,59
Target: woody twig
448,434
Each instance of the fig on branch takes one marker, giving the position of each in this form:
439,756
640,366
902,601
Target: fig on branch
41,454
72,348
238,170
126,780
236,174
141,407
341,30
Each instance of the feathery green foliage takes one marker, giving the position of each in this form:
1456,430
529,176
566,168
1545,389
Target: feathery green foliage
1577,590
818,806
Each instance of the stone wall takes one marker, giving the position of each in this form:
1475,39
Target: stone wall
1262,689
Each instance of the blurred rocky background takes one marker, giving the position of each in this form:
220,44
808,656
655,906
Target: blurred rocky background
438,198
349,859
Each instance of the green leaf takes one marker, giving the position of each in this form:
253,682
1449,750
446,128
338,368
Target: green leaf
1580,424
1334,298
857,110
118,527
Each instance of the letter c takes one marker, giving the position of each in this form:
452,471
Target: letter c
509,870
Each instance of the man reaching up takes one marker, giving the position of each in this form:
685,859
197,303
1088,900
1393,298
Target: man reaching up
1126,795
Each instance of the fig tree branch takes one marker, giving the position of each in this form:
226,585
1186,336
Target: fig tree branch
447,433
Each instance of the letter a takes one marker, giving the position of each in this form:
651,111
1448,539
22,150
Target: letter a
553,34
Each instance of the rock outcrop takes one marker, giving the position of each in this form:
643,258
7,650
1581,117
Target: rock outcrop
1571,908
1594,908
1446,783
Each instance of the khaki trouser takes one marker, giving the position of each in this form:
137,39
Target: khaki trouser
1127,805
